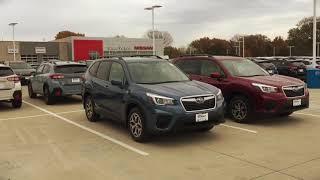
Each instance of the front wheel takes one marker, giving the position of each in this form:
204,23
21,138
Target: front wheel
240,110
137,125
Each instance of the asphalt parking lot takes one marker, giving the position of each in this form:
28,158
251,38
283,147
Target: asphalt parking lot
57,142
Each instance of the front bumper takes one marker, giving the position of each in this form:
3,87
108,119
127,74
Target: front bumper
167,119
275,104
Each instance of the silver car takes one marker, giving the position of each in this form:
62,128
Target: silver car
56,79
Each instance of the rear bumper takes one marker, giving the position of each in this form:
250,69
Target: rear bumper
65,90
8,95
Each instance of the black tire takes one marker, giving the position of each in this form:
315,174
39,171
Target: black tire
89,107
206,129
285,114
137,125
48,98
16,104
240,109
32,95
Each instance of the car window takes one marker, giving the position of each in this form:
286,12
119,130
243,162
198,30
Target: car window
243,68
190,66
116,72
94,68
40,68
209,67
20,65
103,69
46,69
71,69
5,71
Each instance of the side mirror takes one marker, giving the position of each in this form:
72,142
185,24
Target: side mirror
117,83
216,75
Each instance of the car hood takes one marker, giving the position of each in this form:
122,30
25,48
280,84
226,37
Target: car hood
181,89
275,80
23,71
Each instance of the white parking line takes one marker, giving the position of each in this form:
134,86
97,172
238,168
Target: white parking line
40,115
306,114
91,130
239,128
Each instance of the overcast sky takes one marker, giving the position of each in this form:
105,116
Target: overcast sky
184,19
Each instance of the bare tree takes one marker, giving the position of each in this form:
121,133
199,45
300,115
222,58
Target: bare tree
166,36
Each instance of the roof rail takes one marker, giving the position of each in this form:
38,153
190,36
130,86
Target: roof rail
191,55
121,57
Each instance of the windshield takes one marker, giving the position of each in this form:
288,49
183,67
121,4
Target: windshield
4,71
70,69
243,68
155,72
20,65
298,63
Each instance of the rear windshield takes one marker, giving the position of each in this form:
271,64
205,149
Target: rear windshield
298,63
70,69
20,65
5,71
265,64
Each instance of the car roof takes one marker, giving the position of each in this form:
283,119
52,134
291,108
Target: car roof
213,57
2,65
61,63
134,59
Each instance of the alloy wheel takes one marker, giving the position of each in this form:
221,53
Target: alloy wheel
136,126
239,110
89,108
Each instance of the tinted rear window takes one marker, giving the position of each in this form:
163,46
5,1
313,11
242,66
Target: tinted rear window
20,65
5,71
70,69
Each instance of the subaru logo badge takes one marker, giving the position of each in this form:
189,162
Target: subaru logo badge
200,100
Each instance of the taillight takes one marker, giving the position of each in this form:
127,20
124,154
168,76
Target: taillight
293,68
15,79
56,76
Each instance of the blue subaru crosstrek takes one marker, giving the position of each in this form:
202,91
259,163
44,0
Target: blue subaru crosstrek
150,96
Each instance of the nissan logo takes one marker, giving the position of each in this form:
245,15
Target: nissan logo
200,100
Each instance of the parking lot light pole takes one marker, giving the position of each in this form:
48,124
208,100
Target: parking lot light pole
243,46
153,37
290,47
13,41
314,33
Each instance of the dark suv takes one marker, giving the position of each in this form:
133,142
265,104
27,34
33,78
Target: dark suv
247,88
150,96
292,68
56,79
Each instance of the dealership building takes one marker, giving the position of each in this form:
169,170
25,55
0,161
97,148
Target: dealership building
78,49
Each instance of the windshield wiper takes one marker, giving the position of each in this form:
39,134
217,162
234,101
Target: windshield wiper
254,75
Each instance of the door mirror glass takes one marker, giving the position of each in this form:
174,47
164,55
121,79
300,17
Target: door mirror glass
216,75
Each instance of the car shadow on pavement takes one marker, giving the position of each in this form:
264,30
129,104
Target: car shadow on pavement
173,139
278,121
68,100
5,107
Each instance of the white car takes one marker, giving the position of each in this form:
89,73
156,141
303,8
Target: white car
10,87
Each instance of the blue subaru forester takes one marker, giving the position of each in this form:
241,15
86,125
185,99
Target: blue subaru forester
150,96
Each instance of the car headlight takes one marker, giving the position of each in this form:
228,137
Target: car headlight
266,88
160,100
219,95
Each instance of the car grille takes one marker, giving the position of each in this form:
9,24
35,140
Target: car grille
294,91
199,103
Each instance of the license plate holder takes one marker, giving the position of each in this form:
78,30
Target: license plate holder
296,102
202,117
